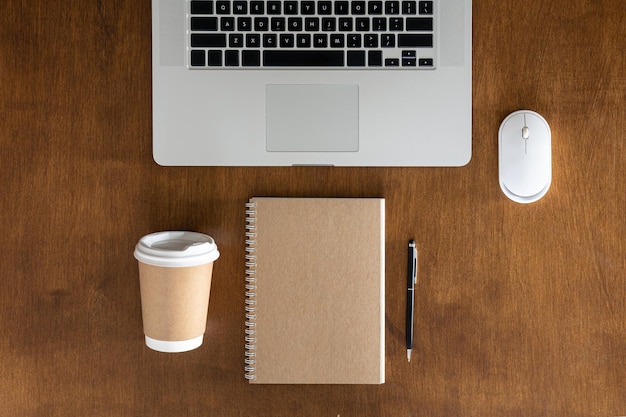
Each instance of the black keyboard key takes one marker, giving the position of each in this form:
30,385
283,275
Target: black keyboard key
320,40
201,7
215,58
425,7
337,40
291,7
354,41
342,7
222,7
324,7
244,24
307,7
278,24
379,24
286,40
232,58
392,62
362,24
312,24
356,58
257,7
198,58
208,40
345,24
235,40
227,24
273,7
240,7
204,24
294,24
375,58
388,40
251,58
261,24
375,7
270,40
415,40
358,7
329,24
392,7
409,7
319,58
253,40
396,23
303,40
419,24
426,62
371,40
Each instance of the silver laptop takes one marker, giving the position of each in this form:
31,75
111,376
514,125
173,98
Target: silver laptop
336,82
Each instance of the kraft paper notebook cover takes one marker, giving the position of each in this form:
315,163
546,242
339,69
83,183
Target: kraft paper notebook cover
315,300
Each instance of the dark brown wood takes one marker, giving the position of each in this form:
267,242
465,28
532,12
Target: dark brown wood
519,309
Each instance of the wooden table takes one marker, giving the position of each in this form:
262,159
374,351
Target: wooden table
519,309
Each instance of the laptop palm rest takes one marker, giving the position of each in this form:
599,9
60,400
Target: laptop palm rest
312,118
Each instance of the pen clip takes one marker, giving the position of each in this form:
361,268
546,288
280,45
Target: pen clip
414,266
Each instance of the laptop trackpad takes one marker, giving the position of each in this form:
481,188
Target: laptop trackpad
312,118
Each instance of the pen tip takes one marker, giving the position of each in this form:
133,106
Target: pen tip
408,354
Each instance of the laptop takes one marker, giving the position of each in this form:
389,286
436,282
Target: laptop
336,82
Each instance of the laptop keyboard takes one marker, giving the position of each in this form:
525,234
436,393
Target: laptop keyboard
255,34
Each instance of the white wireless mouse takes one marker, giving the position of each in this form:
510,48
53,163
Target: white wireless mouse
525,156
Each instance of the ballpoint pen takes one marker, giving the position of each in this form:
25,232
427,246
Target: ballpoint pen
410,296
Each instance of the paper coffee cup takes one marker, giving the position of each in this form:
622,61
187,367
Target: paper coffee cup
175,270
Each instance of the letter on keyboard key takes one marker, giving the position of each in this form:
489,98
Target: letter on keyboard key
321,58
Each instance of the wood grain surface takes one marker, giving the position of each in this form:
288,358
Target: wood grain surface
519,309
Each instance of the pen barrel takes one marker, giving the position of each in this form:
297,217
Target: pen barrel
410,294
409,317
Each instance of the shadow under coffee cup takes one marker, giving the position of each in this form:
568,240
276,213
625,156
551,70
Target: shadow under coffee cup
175,270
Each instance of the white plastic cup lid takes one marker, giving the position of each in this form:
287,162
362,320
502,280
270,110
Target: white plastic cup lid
176,249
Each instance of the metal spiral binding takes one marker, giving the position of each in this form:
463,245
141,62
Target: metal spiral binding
250,361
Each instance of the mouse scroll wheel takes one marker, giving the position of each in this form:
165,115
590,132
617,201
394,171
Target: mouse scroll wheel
525,132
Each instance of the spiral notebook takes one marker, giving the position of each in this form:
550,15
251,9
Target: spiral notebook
315,291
